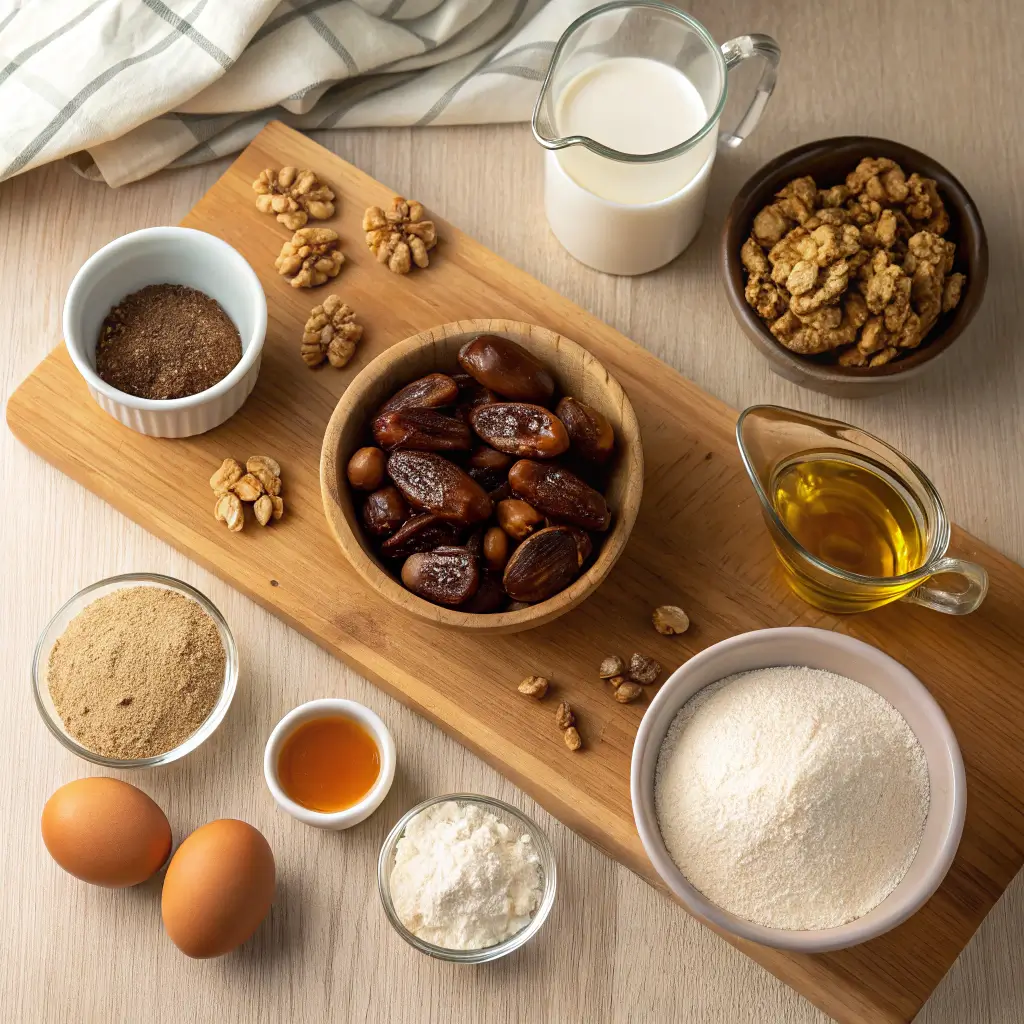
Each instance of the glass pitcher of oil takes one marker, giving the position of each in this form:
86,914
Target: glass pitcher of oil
855,524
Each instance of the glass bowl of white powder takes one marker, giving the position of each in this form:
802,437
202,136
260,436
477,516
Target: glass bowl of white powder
798,788
466,878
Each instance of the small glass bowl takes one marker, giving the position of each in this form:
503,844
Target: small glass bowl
517,821
55,628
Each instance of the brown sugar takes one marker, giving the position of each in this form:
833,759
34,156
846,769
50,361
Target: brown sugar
136,672
166,341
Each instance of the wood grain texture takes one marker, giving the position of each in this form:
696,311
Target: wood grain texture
698,542
937,76
578,374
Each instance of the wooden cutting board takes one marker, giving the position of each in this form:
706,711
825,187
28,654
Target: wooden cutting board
699,542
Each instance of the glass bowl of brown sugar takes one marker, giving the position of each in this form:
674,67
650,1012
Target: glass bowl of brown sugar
135,671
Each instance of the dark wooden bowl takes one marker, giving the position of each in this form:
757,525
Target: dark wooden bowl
828,162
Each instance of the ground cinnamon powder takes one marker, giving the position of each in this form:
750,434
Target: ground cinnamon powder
136,672
166,341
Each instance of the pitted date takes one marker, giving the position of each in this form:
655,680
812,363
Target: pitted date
559,494
508,369
429,481
423,430
435,391
446,575
385,511
590,433
489,596
423,532
518,428
544,564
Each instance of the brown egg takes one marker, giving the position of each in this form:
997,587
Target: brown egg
106,832
218,888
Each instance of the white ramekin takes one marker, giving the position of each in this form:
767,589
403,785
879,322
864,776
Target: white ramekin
330,706
816,648
167,255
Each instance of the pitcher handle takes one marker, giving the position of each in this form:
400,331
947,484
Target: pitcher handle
735,52
940,600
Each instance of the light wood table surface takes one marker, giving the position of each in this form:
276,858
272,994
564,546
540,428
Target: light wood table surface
943,77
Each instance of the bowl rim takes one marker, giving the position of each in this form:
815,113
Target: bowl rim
805,941
209,724
330,707
354,547
781,168
488,953
235,263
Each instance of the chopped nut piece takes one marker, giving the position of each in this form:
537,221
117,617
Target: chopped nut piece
229,473
311,257
534,686
670,619
278,505
255,462
330,333
643,670
264,509
293,195
613,665
229,510
628,692
564,717
400,237
617,681
248,488
572,739
271,484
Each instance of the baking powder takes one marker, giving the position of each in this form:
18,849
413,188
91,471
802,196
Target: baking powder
462,879
792,797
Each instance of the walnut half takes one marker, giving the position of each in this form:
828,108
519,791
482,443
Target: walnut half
400,237
311,258
330,333
294,196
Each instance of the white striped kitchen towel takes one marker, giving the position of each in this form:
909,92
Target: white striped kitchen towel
127,87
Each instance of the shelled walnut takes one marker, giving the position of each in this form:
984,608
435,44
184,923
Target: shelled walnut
294,196
258,482
330,333
401,236
311,257
858,273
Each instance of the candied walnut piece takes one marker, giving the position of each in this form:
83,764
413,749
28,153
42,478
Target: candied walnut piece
643,670
311,257
670,620
753,257
611,667
834,197
572,738
400,237
330,333
952,291
925,204
770,225
767,299
227,475
294,196
828,291
627,692
564,716
534,686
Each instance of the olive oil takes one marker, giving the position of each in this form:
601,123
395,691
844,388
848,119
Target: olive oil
849,513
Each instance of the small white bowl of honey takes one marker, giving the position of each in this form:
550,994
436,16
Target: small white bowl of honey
330,763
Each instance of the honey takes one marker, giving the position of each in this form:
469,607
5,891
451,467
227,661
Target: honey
849,513
328,764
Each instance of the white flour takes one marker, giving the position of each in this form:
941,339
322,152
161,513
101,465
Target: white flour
462,880
792,797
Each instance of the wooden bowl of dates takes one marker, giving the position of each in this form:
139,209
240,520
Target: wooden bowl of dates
483,475
829,162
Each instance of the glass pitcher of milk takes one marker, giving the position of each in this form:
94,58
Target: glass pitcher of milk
629,113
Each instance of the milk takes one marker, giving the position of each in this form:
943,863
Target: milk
616,216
